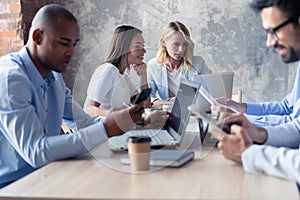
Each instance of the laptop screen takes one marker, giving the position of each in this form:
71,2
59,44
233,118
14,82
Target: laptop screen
217,84
180,115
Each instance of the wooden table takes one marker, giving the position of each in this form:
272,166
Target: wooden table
99,175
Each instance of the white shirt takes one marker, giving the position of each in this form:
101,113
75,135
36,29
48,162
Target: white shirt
173,81
109,87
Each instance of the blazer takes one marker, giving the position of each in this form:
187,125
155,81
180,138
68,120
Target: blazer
158,76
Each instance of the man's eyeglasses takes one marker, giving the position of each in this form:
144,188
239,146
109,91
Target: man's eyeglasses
272,31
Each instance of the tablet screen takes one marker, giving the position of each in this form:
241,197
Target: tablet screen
212,121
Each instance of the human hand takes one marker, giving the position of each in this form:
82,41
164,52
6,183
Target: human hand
234,144
156,119
241,107
160,103
257,134
171,99
221,111
121,119
141,69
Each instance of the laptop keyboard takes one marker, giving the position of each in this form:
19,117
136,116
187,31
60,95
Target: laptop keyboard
158,137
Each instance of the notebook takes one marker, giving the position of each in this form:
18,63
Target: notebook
171,135
217,84
165,158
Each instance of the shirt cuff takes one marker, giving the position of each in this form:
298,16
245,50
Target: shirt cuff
94,135
248,158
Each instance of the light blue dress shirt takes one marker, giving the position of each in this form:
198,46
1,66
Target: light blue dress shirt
281,162
280,155
275,113
31,113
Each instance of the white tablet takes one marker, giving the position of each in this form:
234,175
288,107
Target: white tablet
194,108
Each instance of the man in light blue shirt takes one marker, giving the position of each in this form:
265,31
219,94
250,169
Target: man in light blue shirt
34,100
279,155
271,113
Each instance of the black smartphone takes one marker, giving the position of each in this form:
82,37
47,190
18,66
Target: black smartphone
142,96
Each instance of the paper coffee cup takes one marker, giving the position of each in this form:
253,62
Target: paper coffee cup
139,153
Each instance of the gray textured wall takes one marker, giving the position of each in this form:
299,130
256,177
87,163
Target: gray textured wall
226,33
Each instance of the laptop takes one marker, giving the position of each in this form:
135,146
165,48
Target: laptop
217,84
171,135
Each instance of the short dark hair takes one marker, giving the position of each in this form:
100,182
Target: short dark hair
290,7
51,13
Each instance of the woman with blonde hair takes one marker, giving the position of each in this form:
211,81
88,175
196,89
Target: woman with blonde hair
110,86
173,62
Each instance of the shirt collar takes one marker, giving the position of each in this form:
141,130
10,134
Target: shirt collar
181,65
32,72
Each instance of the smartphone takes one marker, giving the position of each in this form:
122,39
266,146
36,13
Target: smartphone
142,96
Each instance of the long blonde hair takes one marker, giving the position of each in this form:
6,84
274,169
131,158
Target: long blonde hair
170,29
120,43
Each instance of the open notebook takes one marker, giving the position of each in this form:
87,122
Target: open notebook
171,135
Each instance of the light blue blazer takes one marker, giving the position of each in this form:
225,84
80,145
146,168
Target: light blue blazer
158,76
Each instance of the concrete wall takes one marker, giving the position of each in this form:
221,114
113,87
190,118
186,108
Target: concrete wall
226,33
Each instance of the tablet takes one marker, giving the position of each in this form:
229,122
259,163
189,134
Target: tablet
212,100
194,108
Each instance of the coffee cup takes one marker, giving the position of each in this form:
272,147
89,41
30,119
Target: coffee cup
139,153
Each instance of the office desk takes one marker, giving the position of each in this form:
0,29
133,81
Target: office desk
99,175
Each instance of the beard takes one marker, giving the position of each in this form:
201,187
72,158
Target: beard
291,56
